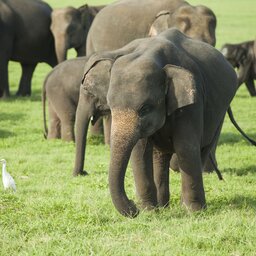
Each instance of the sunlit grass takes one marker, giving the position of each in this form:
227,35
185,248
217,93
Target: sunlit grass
53,213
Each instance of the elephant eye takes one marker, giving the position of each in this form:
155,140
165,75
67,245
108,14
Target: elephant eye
145,109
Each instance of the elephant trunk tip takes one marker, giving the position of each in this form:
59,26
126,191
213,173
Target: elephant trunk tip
131,211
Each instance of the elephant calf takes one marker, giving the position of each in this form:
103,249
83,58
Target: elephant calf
243,57
167,95
61,87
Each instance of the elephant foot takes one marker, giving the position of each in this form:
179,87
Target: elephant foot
148,206
194,206
81,173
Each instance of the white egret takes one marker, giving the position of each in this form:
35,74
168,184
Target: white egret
8,180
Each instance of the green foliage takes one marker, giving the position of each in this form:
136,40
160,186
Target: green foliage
53,213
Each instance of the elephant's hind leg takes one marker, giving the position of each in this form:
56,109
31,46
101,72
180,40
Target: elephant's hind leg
54,130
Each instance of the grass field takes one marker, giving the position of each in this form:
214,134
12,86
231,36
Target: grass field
53,213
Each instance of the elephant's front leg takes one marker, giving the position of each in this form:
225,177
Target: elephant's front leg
26,77
142,165
161,176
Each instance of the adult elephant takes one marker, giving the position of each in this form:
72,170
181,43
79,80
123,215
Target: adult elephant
70,27
125,20
25,38
243,57
179,106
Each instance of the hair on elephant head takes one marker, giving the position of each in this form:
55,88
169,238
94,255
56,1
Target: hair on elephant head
163,93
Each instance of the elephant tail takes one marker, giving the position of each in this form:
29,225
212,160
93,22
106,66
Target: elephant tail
44,107
233,121
215,167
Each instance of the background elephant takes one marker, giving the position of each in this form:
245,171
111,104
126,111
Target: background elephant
180,102
243,57
25,38
61,88
123,21
70,27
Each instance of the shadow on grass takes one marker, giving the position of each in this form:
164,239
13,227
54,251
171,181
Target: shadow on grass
35,96
6,134
233,138
241,171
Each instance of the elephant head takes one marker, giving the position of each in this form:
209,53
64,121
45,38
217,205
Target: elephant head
142,93
70,27
197,22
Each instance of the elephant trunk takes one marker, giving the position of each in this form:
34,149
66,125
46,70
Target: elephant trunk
83,114
61,47
123,139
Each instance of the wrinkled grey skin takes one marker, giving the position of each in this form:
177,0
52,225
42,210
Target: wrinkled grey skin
243,57
61,88
25,38
70,27
179,106
121,22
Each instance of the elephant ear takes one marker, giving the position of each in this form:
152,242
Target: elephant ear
160,23
181,88
96,78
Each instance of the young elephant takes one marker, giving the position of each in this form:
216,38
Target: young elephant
70,27
180,102
61,87
243,57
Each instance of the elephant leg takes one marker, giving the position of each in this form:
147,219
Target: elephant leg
251,87
142,165
107,129
207,163
186,142
54,129
161,163
174,165
4,83
26,77
67,126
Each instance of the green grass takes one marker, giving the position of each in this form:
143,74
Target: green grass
53,213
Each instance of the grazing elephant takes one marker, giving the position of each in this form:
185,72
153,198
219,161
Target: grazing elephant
70,27
179,106
243,57
25,38
61,87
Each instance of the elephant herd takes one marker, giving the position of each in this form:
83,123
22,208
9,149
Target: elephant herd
150,68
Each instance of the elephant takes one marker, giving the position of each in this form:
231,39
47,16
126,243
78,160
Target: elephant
25,38
243,57
61,87
70,27
126,20
167,95
123,21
